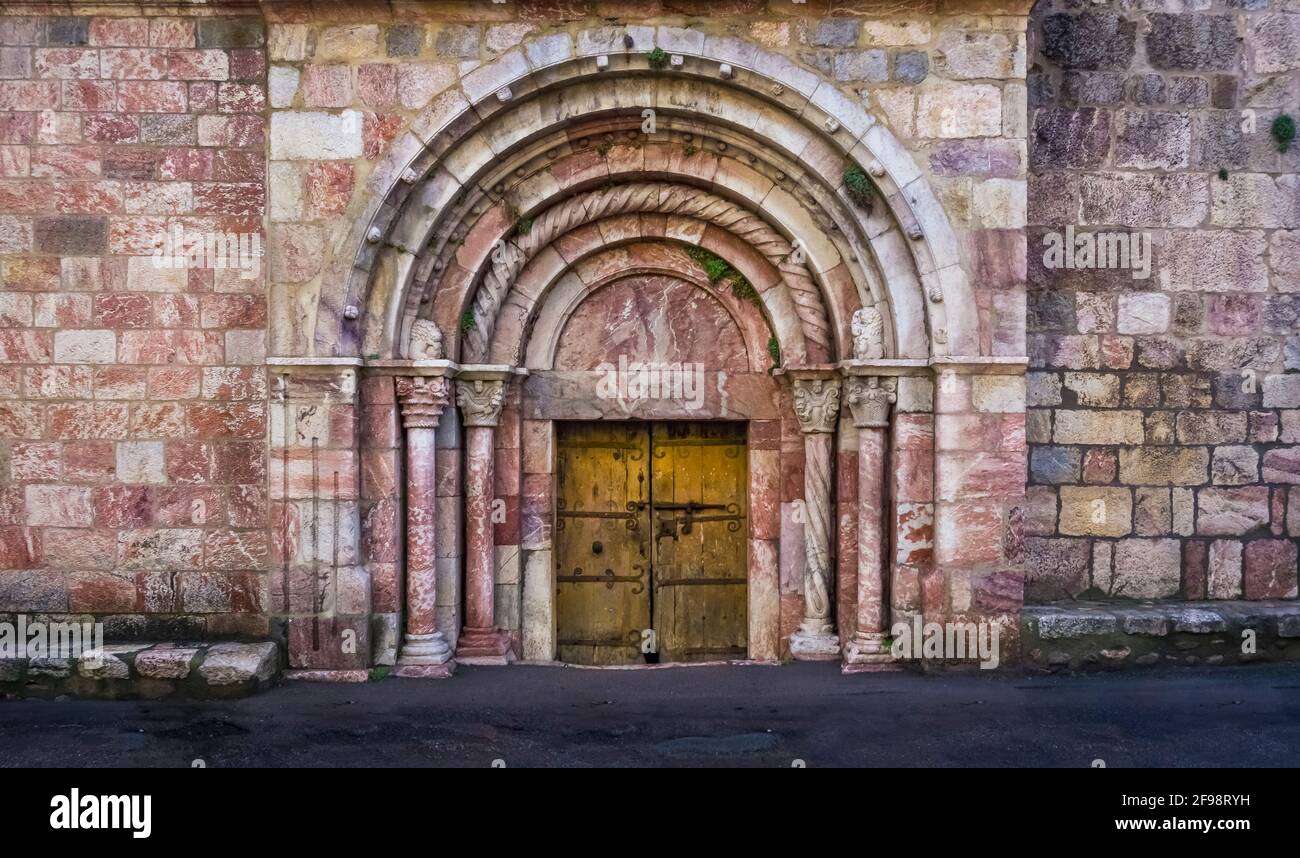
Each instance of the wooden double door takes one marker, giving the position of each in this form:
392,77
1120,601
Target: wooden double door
650,538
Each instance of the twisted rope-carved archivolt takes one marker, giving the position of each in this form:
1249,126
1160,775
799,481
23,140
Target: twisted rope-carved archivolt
658,198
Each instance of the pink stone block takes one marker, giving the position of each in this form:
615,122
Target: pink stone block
1270,569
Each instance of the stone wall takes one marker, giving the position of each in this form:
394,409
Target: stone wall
153,471
132,396
1164,416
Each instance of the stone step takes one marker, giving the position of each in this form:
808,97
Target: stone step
147,670
1110,635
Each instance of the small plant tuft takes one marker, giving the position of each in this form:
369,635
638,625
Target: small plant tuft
774,351
1223,174
744,290
1283,131
859,186
715,267
523,226
379,674
658,58
467,321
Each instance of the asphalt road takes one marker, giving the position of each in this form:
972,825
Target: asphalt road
699,716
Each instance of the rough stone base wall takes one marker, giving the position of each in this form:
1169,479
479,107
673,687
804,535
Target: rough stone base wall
1164,417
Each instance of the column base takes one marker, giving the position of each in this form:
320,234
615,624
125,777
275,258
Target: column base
866,652
484,646
815,642
430,649
425,671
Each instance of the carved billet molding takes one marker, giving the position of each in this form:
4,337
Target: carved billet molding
659,198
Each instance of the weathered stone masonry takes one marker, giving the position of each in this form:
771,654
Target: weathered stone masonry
317,453
1163,421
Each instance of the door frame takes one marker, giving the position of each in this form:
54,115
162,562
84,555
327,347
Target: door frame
762,531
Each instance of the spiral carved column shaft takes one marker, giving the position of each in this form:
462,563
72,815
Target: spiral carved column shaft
816,405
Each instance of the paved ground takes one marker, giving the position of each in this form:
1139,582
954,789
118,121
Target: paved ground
743,715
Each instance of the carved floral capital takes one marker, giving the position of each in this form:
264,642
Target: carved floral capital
817,403
869,398
423,400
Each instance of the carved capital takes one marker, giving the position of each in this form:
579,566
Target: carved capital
480,401
869,398
423,399
817,403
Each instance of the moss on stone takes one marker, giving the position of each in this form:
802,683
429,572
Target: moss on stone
859,186
1283,131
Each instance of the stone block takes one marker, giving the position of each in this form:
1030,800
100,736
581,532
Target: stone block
1147,568
1223,578
1282,391
1091,40
964,110
233,663
1188,42
1232,511
1234,466
1095,511
1056,569
1270,569
1143,313
1052,465
165,662
1098,427
310,136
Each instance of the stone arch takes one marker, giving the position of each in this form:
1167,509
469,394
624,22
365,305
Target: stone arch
654,197
560,290
719,72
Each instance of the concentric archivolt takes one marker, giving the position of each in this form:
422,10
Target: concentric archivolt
660,198
499,111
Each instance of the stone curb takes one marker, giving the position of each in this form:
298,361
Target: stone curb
1103,636
148,670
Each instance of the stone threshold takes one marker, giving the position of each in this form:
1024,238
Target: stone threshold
669,665
1083,636
147,670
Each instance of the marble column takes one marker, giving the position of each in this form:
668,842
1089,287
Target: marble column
817,405
481,642
424,651
869,399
